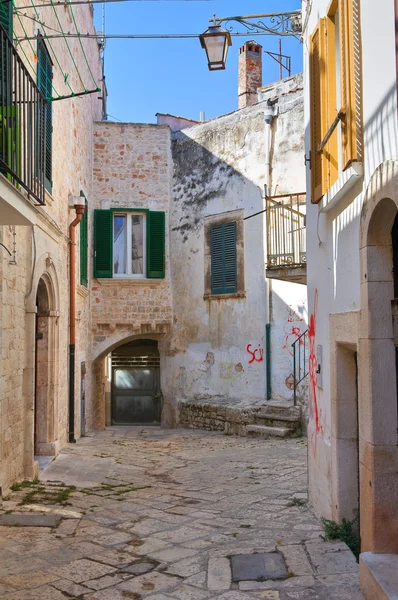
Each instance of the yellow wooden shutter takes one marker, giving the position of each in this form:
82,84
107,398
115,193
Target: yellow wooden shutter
350,60
331,151
317,93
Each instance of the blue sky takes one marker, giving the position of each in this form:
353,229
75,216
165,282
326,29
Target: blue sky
171,76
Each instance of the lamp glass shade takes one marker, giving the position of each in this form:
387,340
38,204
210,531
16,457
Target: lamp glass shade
216,42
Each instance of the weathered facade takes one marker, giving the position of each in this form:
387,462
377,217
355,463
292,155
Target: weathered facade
352,272
218,345
209,345
34,270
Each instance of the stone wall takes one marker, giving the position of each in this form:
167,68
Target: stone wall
132,169
42,251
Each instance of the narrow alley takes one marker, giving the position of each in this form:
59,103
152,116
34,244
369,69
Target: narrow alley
134,512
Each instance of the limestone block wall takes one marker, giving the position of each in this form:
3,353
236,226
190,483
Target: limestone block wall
132,169
42,251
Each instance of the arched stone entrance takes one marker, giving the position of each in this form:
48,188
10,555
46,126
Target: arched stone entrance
133,350
135,384
377,360
44,428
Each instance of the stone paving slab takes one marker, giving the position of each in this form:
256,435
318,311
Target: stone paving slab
30,520
165,514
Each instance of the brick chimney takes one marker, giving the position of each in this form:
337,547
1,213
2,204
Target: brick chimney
250,73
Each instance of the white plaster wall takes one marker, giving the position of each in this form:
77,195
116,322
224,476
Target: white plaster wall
218,346
289,321
333,230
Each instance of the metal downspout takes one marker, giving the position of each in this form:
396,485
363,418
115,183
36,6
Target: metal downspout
268,135
79,208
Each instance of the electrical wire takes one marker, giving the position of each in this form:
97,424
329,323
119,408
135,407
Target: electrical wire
132,36
81,45
67,45
64,75
58,3
40,66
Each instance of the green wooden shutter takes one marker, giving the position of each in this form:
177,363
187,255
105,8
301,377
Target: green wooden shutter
84,248
103,250
6,16
230,258
217,267
156,239
44,83
223,258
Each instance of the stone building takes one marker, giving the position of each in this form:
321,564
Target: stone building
212,326
45,169
352,205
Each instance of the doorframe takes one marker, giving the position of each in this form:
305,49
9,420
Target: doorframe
345,431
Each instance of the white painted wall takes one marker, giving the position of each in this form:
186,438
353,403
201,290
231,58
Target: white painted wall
217,347
333,225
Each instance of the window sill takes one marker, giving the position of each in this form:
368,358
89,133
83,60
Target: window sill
343,185
236,296
127,281
83,291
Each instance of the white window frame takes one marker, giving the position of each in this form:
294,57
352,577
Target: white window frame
129,215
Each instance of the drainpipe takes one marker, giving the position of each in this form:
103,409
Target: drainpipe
268,116
78,203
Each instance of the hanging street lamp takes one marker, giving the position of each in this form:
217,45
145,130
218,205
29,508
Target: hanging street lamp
216,41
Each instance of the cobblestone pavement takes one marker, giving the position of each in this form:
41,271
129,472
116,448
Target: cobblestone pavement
162,515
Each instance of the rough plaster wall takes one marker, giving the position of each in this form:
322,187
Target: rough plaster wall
72,168
334,265
218,346
289,321
132,169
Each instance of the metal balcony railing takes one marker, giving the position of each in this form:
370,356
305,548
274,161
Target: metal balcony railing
22,124
300,361
286,233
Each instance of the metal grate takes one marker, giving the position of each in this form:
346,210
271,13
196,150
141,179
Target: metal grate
22,130
125,362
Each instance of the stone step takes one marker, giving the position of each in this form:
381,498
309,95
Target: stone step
379,576
291,424
280,413
265,431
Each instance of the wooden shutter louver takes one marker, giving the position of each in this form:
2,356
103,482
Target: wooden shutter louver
156,243
316,81
84,248
350,60
44,83
103,244
217,271
6,17
223,258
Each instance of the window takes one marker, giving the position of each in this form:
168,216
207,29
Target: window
335,95
129,254
223,258
45,85
129,244
84,248
6,17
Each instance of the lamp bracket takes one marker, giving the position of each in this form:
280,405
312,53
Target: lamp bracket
283,24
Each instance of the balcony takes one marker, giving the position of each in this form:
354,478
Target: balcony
22,139
286,238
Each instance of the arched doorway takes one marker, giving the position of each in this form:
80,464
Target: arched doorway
377,364
135,384
44,361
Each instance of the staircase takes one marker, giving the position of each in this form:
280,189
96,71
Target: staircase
235,417
276,420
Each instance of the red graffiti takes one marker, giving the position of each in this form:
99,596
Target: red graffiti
312,367
257,355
